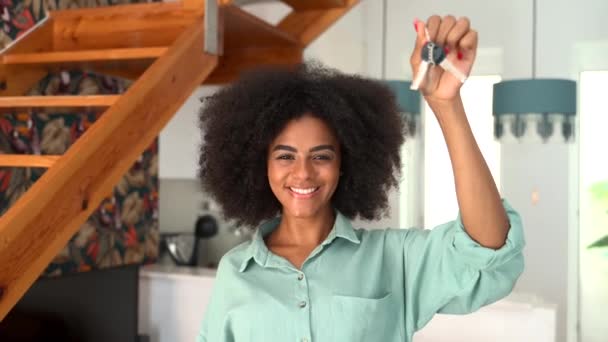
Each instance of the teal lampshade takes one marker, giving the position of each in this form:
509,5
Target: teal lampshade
535,96
408,100
524,109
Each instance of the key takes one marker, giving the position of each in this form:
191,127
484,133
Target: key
433,54
422,69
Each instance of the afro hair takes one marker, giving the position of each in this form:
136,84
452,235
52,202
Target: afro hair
239,122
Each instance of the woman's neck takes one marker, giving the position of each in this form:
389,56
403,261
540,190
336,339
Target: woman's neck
297,231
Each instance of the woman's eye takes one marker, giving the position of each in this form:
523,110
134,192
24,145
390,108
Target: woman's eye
285,157
322,157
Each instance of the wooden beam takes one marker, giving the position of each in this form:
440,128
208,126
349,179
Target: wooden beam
306,26
299,5
24,160
84,56
235,62
42,221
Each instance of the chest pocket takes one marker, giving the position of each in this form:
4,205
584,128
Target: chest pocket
359,319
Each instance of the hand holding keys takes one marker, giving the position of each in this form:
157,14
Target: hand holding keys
433,54
443,57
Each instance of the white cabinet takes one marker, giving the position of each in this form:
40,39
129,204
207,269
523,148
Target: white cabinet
515,318
172,301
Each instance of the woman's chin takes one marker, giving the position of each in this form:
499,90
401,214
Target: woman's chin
304,212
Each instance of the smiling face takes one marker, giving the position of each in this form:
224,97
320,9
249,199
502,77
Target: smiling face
304,167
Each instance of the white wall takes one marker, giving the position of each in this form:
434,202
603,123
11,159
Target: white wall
180,140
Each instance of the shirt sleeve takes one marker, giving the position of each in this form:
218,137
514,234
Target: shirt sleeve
448,272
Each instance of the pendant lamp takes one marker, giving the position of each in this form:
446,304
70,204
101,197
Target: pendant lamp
408,102
537,109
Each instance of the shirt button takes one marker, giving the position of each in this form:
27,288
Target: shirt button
302,304
300,276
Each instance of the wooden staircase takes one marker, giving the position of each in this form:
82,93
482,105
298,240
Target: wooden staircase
163,48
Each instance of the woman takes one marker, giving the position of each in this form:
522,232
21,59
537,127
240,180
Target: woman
319,148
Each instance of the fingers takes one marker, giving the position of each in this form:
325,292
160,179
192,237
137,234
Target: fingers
449,32
446,27
458,31
469,41
432,25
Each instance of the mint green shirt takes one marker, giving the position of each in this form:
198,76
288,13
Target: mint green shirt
358,285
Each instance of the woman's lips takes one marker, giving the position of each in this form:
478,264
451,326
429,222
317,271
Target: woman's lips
303,193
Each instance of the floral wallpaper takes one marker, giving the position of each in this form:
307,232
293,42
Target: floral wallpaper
124,228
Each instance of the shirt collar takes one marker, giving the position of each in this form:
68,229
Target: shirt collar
258,251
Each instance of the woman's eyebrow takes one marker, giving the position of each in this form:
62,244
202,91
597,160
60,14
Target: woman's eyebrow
314,149
284,147
322,147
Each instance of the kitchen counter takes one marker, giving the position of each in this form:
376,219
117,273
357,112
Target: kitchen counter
176,272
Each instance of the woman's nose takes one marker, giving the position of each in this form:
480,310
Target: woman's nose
303,169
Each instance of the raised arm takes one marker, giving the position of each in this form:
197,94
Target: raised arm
480,205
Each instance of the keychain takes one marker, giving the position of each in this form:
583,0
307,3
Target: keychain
433,54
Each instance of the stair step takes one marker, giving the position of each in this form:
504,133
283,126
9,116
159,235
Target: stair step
12,103
120,26
84,56
24,160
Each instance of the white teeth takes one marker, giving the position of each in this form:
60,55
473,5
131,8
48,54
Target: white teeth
303,191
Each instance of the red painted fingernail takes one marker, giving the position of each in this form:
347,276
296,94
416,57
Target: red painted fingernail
460,55
416,24
446,50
